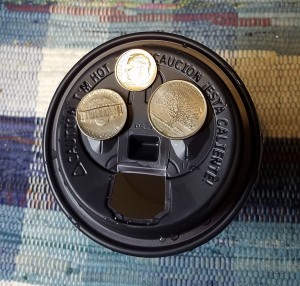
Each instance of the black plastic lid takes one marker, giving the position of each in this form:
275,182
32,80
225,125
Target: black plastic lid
140,193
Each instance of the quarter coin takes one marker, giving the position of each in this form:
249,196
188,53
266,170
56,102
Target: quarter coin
135,70
177,109
101,114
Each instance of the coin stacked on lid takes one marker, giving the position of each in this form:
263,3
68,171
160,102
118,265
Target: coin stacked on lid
177,108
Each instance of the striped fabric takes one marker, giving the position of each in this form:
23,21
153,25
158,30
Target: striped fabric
41,40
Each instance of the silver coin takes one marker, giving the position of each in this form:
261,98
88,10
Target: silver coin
135,70
101,114
177,109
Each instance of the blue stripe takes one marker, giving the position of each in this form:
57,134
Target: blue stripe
18,84
243,254
11,226
16,140
16,137
276,196
23,28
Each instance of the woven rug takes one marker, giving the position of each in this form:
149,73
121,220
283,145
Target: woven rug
41,40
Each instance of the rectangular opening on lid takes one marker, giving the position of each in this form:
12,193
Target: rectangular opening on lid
143,148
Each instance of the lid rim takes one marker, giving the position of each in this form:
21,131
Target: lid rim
171,249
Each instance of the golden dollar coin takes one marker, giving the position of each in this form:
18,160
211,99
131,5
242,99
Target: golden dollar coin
101,114
177,109
135,70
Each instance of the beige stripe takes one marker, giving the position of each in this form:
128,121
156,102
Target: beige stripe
54,67
274,84
273,81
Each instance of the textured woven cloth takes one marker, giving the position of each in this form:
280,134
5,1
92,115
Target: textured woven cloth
41,40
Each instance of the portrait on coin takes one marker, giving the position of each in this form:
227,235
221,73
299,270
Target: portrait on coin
138,67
